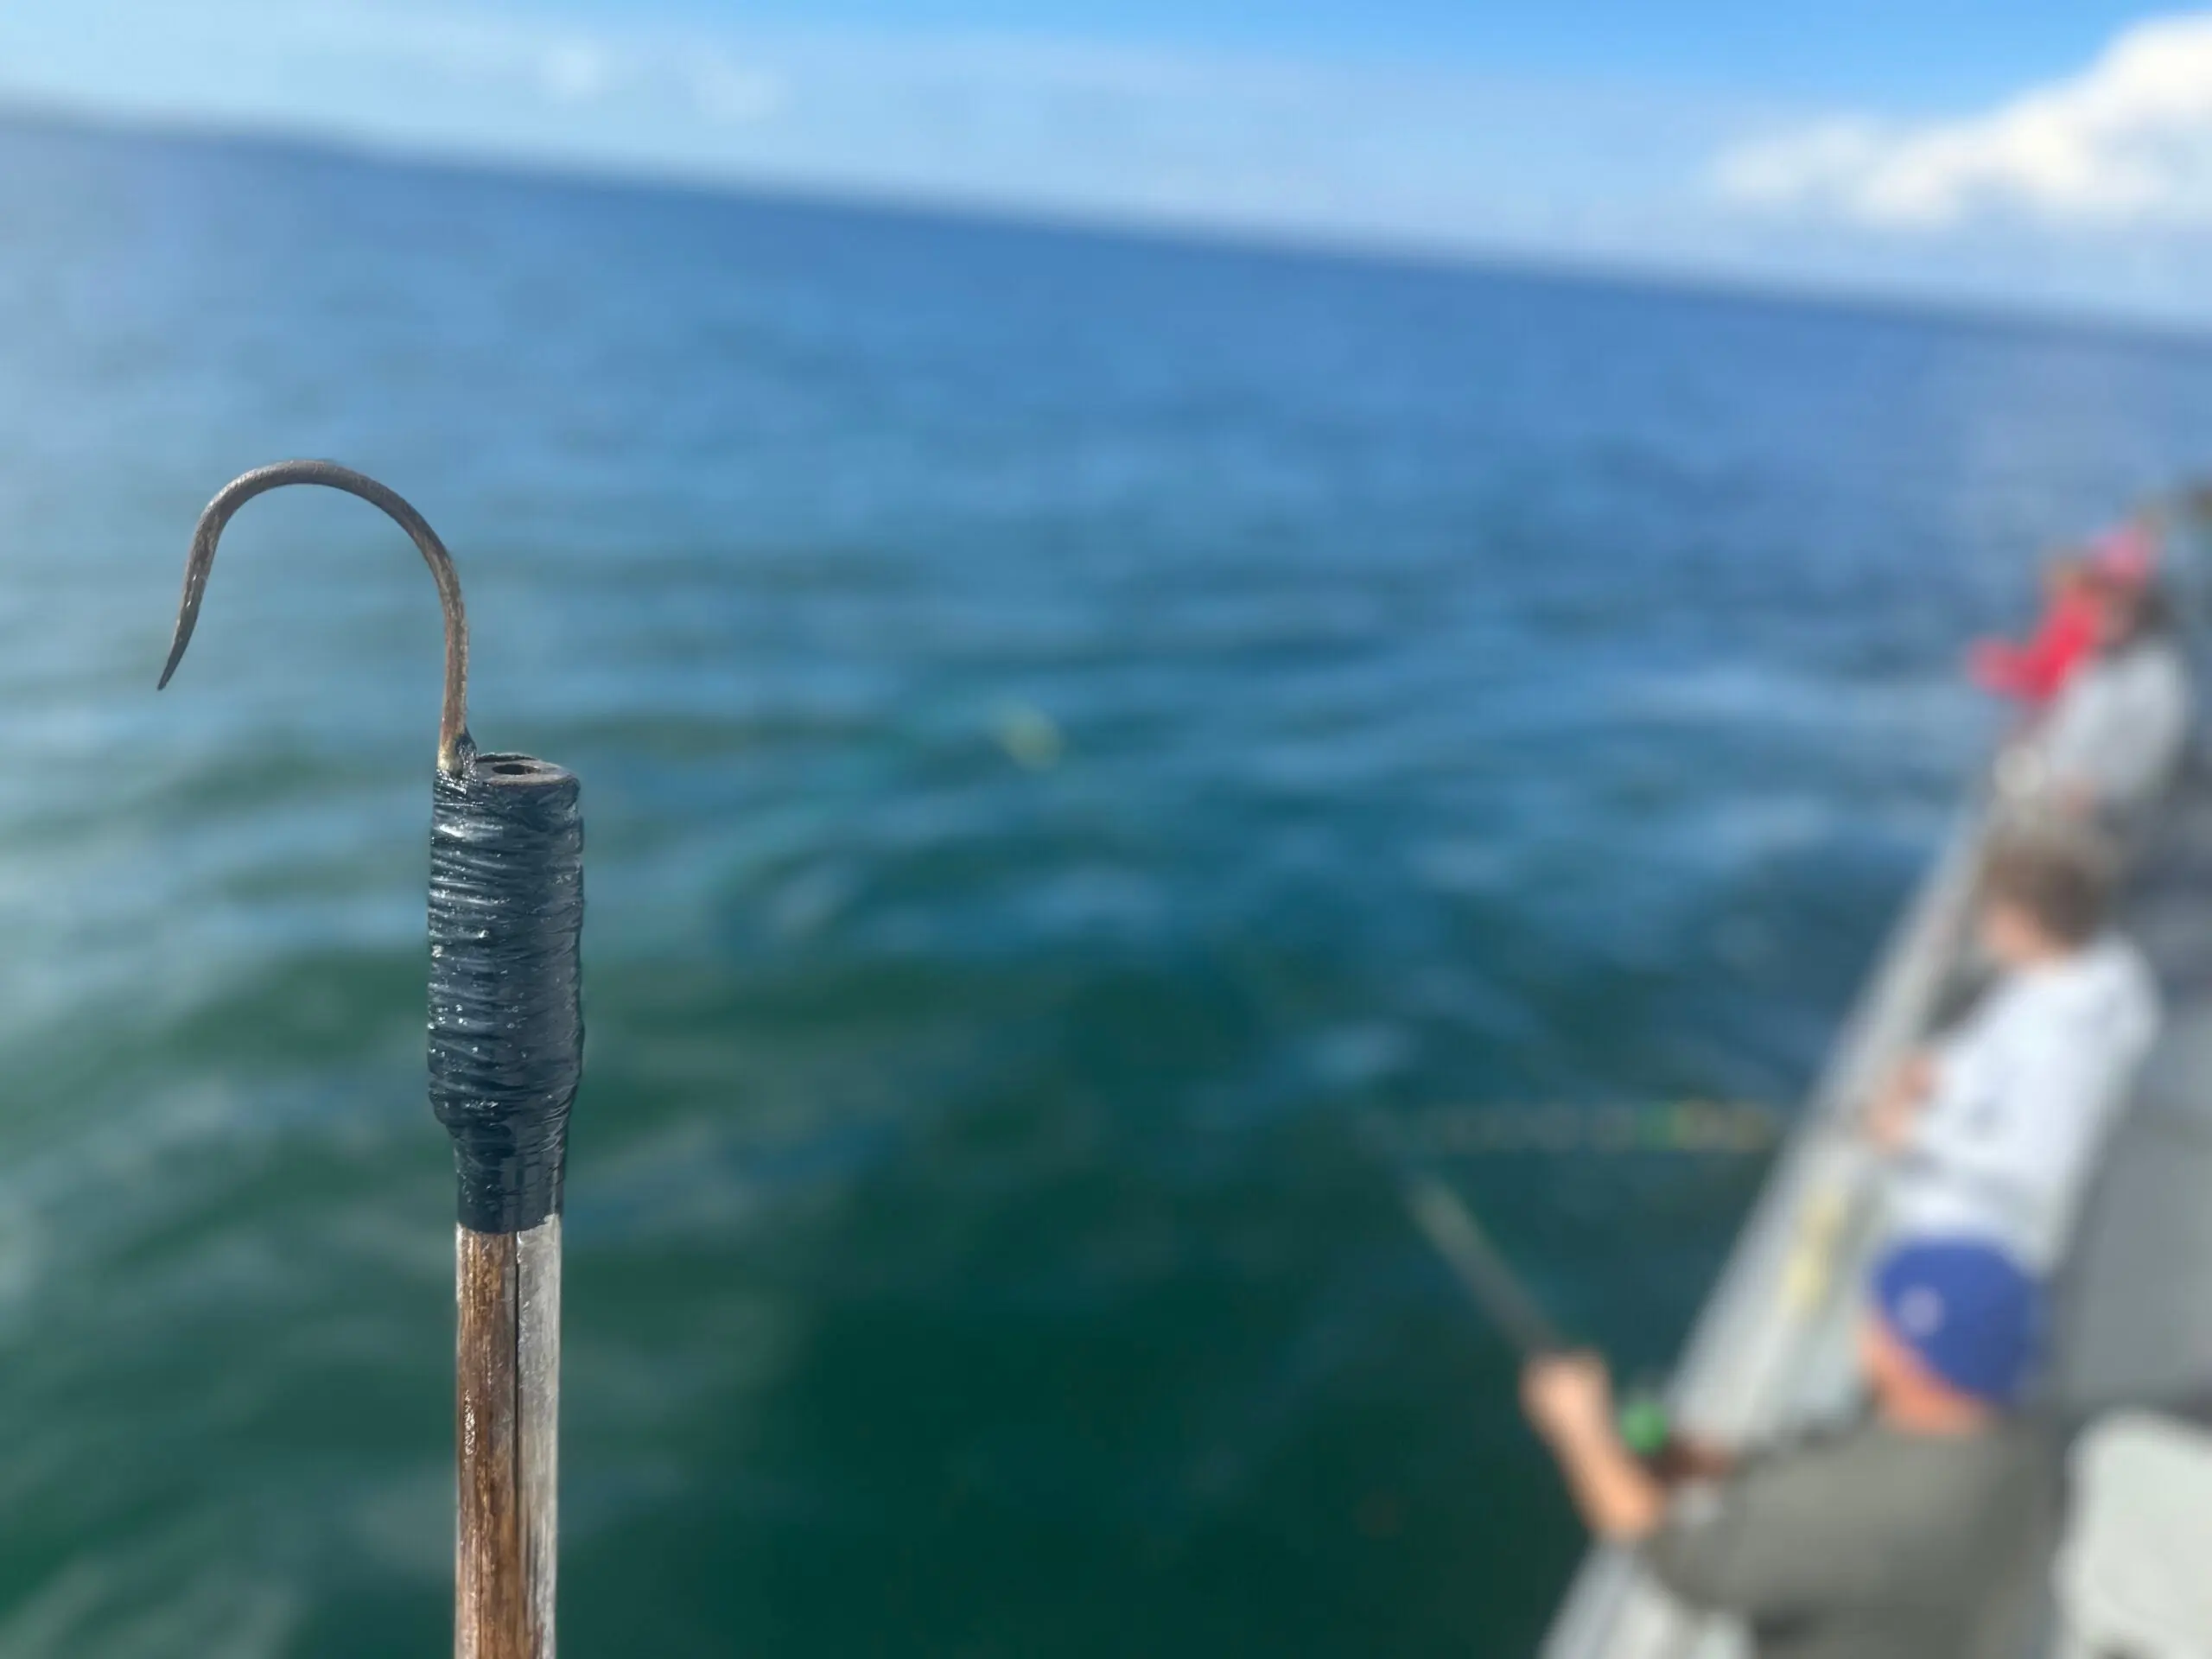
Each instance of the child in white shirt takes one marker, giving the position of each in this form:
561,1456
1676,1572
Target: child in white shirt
1995,1130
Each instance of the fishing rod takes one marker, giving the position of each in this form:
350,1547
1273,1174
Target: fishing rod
506,1051
1497,1292
1491,1285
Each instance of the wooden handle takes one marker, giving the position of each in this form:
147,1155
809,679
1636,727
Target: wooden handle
507,1429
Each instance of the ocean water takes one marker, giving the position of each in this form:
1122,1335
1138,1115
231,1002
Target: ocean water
1071,725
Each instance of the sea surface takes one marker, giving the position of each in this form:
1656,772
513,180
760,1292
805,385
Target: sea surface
1071,727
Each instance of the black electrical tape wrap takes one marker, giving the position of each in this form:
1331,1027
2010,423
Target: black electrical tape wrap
507,1014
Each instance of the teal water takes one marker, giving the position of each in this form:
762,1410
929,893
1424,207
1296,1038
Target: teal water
1068,724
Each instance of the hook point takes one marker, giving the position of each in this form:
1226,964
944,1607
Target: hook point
453,712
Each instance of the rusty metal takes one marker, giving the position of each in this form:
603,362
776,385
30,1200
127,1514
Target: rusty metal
453,712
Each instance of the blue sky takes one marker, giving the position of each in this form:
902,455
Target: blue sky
2020,153
1888,49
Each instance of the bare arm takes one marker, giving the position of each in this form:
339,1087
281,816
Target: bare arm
1569,1400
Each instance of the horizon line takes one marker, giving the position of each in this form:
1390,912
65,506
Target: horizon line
1443,255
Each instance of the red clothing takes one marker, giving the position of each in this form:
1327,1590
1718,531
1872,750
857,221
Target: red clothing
2035,671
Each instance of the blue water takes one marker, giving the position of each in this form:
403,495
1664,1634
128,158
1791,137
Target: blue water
1069,724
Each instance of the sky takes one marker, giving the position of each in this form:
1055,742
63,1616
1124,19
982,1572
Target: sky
2019,154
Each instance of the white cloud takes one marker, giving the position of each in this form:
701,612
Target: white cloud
2127,141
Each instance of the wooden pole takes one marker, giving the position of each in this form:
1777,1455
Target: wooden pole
507,1036
508,1403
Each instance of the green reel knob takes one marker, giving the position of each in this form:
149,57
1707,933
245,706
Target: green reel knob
1643,1425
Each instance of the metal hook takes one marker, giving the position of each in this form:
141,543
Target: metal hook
452,713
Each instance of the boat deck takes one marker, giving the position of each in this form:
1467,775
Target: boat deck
2139,1322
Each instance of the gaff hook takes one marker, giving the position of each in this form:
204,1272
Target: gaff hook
452,713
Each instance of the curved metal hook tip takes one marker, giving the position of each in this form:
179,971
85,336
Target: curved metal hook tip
452,713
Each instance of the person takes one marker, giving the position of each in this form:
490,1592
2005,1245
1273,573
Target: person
1911,1533
2116,733
1996,1130
2034,671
